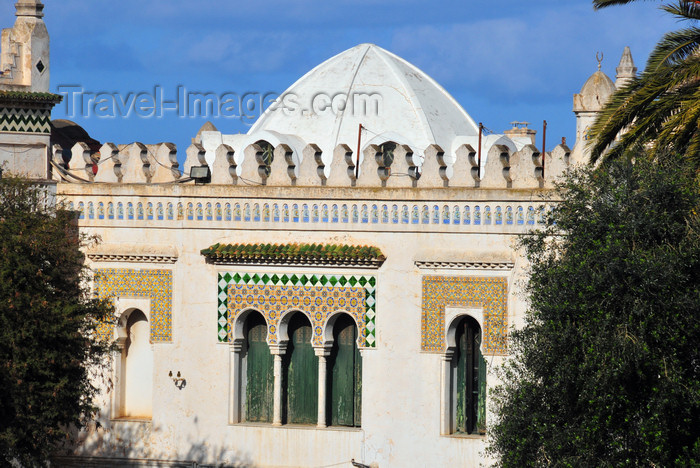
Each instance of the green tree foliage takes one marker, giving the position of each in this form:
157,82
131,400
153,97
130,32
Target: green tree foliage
606,371
662,106
47,326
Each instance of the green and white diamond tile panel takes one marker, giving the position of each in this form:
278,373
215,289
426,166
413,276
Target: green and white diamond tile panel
310,287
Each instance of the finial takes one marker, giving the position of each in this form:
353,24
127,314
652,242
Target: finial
626,71
599,58
29,8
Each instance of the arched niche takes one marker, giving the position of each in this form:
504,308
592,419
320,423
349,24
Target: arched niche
343,395
300,368
328,327
463,381
134,395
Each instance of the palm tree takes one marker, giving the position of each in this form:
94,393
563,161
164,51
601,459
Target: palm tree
660,109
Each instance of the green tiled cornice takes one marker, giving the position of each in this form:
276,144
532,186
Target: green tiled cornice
37,98
306,254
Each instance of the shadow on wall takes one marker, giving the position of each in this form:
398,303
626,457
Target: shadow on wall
132,443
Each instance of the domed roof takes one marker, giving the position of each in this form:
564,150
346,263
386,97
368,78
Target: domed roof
207,127
594,93
67,133
598,84
392,99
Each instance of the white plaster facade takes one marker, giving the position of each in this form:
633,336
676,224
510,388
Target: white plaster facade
444,208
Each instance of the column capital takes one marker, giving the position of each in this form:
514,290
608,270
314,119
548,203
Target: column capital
120,343
322,351
448,354
279,349
237,345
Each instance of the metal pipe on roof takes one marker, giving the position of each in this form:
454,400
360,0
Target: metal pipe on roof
544,139
478,169
359,141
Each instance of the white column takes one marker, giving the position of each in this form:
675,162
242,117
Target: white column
446,396
322,376
118,382
278,351
277,408
234,383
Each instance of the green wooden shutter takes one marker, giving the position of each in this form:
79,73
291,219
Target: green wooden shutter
469,368
345,384
459,362
260,379
358,381
481,402
301,364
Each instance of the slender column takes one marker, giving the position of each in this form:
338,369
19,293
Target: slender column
446,384
277,408
322,391
278,351
322,353
117,382
234,383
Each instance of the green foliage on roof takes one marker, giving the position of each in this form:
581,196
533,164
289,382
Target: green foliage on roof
324,253
16,96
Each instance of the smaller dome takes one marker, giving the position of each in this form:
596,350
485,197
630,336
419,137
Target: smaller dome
594,93
207,127
599,84
67,133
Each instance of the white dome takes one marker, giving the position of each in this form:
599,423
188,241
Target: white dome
391,98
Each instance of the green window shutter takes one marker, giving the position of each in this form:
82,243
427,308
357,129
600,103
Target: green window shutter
260,379
346,375
301,389
481,401
459,362
358,381
469,369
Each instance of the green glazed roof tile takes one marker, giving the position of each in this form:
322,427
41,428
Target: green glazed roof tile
339,254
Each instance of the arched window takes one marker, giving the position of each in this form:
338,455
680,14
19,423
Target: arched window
344,401
259,381
300,386
137,368
469,379
268,151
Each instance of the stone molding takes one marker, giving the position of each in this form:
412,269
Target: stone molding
132,258
476,265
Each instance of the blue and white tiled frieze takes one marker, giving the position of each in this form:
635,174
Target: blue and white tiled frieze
303,212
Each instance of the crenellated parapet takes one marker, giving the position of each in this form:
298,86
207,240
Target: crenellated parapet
261,163
134,163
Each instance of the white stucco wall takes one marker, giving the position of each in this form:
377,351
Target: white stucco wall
401,393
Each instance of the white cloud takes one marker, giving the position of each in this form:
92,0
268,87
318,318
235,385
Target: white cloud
537,54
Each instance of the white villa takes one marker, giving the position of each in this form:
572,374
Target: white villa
333,288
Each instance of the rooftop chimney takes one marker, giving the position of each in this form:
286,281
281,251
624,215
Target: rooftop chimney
520,130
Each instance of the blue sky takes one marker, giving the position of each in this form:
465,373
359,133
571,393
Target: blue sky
502,60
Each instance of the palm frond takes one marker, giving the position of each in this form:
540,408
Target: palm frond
661,107
598,4
674,47
684,9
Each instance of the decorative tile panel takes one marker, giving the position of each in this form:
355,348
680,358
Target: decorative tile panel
315,295
457,291
154,284
25,120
